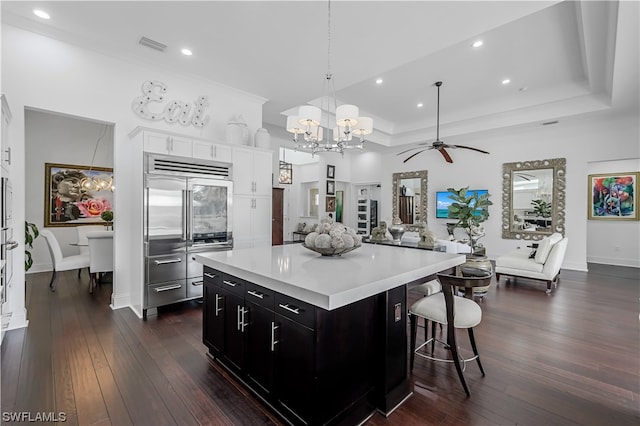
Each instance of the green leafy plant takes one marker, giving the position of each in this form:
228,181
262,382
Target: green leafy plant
107,216
470,210
541,208
30,234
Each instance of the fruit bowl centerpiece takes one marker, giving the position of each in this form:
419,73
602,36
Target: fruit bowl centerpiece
332,239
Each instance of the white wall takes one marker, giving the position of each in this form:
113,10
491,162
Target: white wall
579,140
43,73
614,242
54,138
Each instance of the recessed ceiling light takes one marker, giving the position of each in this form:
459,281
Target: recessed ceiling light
506,81
420,105
523,89
41,14
379,81
477,43
186,52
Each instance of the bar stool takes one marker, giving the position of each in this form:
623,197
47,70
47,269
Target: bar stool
454,312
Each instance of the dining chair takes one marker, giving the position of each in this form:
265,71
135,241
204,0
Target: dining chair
100,255
452,311
82,243
61,262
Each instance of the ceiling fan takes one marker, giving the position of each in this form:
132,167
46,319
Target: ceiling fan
437,144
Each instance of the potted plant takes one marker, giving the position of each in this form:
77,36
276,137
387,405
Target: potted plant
30,233
470,210
542,209
107,216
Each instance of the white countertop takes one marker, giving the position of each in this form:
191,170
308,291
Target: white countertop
330,282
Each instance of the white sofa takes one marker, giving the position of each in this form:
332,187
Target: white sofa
544,265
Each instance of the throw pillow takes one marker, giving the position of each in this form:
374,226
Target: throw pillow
545,246
300,227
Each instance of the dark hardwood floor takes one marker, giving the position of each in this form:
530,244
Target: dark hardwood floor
571,358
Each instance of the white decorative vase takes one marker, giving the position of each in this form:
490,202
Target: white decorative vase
237,132
262,139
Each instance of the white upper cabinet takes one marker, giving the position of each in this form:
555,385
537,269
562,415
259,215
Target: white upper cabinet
252,171
211,151
6,147
167,144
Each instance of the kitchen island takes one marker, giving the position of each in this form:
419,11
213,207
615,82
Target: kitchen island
321,340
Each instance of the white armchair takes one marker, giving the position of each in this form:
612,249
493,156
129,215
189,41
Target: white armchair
542,265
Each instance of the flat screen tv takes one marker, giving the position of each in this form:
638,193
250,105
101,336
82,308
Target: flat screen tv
443,202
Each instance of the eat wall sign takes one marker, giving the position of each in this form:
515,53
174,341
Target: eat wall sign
174,111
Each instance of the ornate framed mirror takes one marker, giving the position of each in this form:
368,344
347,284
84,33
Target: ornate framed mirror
533,198
410,198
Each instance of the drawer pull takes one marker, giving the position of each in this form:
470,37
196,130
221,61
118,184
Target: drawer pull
165,262
256,294
167,288
293,310
208,275
230,283
197,283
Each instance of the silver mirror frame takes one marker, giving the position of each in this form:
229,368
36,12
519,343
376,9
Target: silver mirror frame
422,175
559,166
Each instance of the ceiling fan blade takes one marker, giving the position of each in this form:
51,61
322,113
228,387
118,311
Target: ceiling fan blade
445,154
467,147
410,149
413,155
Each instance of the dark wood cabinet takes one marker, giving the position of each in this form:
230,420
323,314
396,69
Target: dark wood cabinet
260,343
311,365
213,318
296,386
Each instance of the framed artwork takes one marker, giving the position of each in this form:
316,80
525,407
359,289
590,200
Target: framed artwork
331,171
612,196
330,204
331,187
67,202
286,173
339,205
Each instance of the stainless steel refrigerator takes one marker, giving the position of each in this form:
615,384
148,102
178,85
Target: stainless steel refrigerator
187,209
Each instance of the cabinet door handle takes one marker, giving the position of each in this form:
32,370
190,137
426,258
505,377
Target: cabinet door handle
8,151
241,313
274,327
167,288
229,283
211,152
218,300
293,310
256,294
208,275
164,262
168,144
197,283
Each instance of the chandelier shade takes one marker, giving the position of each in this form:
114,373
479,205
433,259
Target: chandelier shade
313,121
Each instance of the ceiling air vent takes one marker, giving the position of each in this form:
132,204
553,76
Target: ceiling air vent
547,123
152,44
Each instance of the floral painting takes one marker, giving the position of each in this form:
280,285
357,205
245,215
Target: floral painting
612,196
72,196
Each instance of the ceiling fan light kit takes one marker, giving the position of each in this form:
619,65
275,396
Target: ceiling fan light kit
438,144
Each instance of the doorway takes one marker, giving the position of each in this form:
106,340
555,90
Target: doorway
54,139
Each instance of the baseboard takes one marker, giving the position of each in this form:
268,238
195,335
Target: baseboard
119,301
18,320
615,261
575,266
40,267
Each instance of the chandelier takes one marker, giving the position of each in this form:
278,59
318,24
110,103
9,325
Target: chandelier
310,123
97,182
